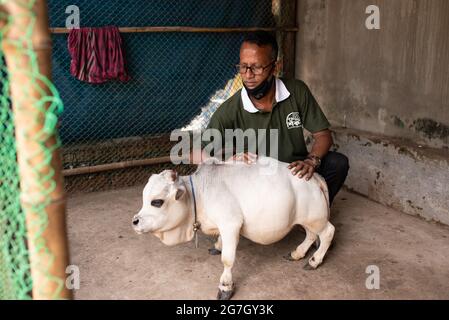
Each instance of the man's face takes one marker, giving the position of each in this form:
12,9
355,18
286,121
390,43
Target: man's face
253,55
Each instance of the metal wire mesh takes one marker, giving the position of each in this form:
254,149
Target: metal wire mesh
142,13
178,79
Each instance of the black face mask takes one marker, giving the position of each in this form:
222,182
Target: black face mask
262,89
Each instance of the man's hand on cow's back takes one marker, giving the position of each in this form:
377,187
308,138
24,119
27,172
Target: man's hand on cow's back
246,157
302,168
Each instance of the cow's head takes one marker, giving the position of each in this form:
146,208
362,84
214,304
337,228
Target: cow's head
165,211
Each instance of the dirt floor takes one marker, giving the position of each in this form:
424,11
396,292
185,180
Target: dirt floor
115,263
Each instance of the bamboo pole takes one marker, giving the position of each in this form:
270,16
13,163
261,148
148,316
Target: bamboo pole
115,166
47,267
185,29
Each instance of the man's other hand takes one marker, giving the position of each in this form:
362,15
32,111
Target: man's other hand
246,157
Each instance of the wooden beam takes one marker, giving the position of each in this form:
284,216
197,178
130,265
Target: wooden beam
115,166
186,29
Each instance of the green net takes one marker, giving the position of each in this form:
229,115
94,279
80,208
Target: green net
40,105
15,280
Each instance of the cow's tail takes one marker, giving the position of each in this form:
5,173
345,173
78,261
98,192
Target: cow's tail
325,191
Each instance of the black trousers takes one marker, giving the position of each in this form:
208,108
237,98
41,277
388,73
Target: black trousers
334,169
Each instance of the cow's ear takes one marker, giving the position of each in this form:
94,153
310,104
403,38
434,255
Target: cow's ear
180,192
173,175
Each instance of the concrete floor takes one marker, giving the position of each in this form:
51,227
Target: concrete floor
115,263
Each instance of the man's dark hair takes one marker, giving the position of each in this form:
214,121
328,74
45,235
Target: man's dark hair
263,38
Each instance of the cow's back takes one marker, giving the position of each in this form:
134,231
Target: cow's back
270,199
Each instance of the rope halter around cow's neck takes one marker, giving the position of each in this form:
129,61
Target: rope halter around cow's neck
196,224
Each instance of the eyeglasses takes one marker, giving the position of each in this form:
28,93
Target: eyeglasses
256,70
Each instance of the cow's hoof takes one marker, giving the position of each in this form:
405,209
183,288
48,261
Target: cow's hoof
214,252
308,267
224,295
289,257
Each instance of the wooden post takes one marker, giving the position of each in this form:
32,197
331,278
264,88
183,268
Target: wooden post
42,199
284,12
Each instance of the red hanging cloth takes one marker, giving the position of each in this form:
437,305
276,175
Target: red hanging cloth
97,55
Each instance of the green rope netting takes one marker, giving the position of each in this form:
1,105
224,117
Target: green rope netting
15,279
15,271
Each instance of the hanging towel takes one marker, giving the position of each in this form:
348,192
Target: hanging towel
97,54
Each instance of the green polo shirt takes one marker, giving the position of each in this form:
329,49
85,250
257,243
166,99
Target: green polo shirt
295,108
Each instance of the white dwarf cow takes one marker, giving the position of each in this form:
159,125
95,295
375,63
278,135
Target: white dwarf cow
230,200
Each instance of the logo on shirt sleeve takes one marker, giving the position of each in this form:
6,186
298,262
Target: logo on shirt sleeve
293,120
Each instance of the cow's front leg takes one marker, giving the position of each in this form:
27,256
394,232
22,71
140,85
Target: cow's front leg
216,250
229,241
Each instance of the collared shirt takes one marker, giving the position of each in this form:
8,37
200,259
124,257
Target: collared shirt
281,94
294,109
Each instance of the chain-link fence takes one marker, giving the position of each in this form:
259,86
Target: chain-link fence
178,79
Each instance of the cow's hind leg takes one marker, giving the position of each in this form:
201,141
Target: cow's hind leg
230,239
326,235
216,250
302,249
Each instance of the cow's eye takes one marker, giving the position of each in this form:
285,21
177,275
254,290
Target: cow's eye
157,203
